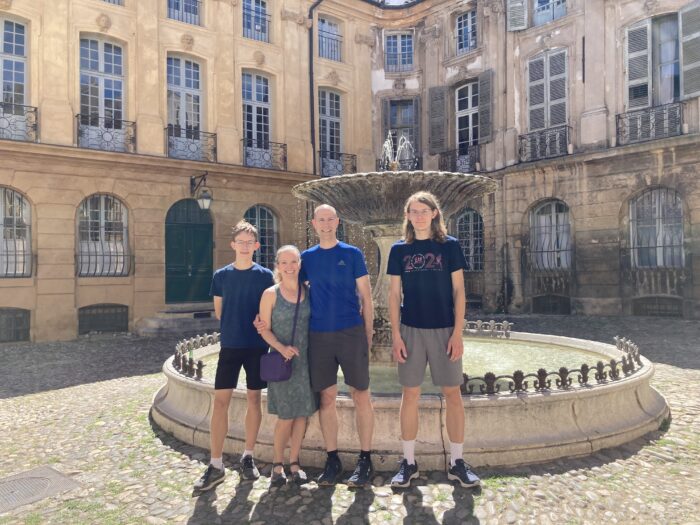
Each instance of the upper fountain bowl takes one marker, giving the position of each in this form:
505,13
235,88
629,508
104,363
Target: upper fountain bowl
379,197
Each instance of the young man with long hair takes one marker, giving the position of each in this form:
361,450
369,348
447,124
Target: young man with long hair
427,266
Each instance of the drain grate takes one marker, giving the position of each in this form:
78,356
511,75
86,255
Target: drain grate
33,485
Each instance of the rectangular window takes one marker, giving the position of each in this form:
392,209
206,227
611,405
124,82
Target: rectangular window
547,10
466,32
329,40
256,121
256,21
399,52
187,11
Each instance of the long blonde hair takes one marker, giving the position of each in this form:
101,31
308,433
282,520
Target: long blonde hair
438,230
281,250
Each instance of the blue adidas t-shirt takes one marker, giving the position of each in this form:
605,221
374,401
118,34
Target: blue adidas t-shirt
241,291
332,273
426,270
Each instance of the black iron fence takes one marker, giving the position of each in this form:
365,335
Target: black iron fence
102,259
187,11
329,45
398,62
544,144
334,163
105,134
190,144
462,160
650,124
15,259
264,154
408,164
18,122
256,25
183,360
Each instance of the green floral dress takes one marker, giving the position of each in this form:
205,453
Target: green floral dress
292,398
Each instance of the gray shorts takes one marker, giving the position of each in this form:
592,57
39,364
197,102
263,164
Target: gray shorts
428,346
345,348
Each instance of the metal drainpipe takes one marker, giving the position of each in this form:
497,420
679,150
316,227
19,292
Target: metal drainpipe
312,102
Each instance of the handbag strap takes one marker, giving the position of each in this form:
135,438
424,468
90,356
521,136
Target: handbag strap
296,315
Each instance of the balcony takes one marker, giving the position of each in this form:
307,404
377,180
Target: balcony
329,45
544,144
545,13
333,163
398,62
650,124
187,11
188,144
264,154
407,164
462,160
256,25
18,122
106,134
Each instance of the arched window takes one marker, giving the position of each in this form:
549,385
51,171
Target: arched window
103,239
16,240
468,228
266,223
656,229
550,236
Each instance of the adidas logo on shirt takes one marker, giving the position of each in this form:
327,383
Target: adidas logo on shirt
341,263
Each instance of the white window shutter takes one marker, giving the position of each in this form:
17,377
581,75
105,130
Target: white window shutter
558,87
536,99
486,106
689,36
517,14
638,65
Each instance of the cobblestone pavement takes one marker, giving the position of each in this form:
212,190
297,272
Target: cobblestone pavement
82,408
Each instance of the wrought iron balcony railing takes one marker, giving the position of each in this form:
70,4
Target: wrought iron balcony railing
465,43
15,259
115,2
408,164
105,134
190,144
650,123
103,259
333,163
187,11
264,154
544,144
398,62
462,160
329,45
256,25
18,122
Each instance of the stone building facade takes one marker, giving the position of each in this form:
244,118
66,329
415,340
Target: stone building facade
113,110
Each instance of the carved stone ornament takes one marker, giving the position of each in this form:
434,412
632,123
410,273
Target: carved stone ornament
187,42
430,33
103,22
333,77
651,5
495,6
5,4
367,40
293,16
259,58
399,84
545,40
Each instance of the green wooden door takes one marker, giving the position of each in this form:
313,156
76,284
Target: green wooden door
188,253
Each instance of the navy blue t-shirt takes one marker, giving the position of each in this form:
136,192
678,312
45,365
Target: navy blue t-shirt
241,291
332,273
426,270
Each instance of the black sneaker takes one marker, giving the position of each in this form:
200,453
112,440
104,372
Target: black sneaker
248,469
405,474
210,479
331,472
361,474
277,479
463,473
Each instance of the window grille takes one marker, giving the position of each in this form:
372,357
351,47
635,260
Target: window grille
16,241
103,239
103,318
656,230
550,237
14,325
469,231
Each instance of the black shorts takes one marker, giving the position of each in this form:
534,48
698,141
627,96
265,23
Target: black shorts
345,348
229,367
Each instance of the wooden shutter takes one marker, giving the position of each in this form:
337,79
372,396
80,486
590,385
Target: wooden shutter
536,93
437,141
557,93
638,68
517,14
689,36
416,126
486,106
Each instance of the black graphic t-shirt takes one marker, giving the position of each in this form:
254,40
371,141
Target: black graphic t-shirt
426,270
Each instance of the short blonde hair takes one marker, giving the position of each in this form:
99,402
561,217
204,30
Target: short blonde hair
280,251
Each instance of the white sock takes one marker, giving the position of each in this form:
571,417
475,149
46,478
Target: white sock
247,453
409,451
456,452
217,463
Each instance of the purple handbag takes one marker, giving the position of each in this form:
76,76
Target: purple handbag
273,366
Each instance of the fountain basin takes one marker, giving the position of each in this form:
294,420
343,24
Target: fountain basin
504,429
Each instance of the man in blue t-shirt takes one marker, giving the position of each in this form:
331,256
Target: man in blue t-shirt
237,289
340,334
427,328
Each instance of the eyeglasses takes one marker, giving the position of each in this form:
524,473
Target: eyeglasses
244,243
420,213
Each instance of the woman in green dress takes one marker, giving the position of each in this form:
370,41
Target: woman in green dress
292,400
